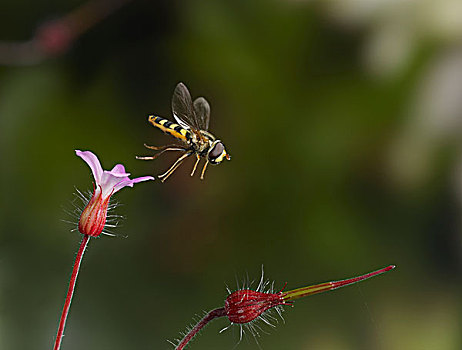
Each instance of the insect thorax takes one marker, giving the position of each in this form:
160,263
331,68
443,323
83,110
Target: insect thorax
201,145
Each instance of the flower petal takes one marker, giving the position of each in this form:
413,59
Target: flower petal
109,182
93,162
119,170
131,182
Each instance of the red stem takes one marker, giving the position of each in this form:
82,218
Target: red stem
70,291
206,319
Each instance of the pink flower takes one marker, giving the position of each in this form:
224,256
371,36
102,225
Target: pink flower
93,217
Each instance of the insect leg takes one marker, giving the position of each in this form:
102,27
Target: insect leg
175,165
203,169
158,148
195,164
158,154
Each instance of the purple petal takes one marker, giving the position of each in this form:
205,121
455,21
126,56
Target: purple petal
93,162
131,182
109,181
142,178
119,170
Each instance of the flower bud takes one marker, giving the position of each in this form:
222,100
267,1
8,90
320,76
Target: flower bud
93,217
245,305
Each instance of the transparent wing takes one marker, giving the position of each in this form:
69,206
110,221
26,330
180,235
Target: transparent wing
181,123
182,107
202,110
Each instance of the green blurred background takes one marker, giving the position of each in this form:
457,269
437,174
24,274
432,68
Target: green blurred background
343,119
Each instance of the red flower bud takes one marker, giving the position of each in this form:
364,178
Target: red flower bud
55,37
93,217
243,306
246,305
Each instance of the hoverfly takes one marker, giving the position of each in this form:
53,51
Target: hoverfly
192,123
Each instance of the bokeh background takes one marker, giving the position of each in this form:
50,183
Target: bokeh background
343,119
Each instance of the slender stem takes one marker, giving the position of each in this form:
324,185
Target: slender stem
90,13
206,319
324,287
70,291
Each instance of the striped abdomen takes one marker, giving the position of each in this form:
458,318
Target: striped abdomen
170,128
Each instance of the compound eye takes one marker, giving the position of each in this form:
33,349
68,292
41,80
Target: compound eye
216,151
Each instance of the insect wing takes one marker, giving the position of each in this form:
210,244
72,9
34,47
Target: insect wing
202,110
182,107
181,123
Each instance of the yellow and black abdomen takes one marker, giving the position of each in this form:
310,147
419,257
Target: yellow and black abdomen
170,128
